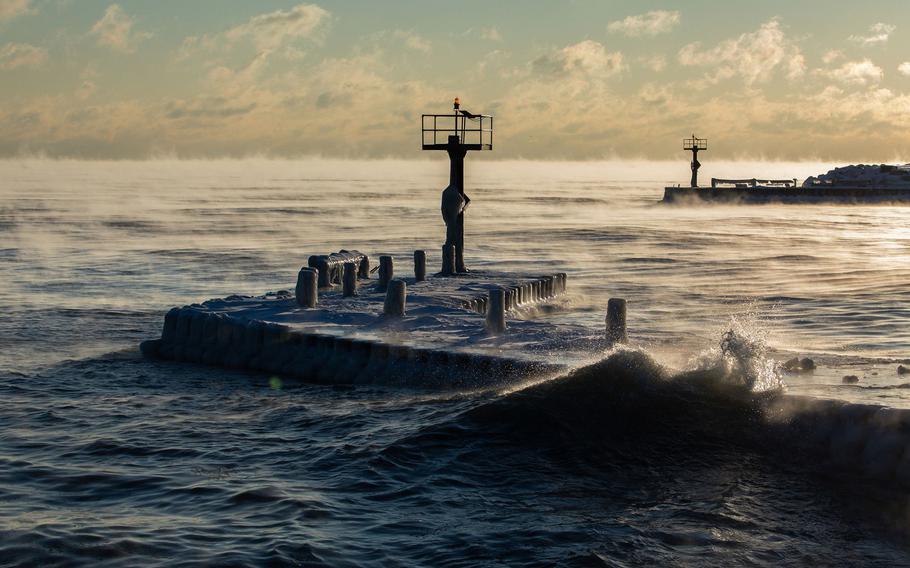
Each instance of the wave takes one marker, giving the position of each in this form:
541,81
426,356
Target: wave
733,399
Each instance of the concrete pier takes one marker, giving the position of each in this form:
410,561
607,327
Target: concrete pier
433,335
275,348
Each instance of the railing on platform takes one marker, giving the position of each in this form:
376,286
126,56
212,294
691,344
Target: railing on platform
753,182
695,143
474,131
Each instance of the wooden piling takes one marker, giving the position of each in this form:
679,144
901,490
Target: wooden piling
307,290
616,321
496,311
386,271
420,265
364,271
350,280
325,277
396,299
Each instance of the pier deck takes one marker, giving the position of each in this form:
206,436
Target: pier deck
441,341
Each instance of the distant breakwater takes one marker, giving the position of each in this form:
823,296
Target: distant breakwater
829,194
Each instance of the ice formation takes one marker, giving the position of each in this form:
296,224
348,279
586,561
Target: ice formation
863,175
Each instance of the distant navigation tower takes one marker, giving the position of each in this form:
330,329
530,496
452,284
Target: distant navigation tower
695,144
456,133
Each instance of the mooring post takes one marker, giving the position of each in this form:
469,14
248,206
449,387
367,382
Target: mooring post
386,271
364,268
616,321
349,279
307,290
448,260
325,277
496,311
396,299
420,265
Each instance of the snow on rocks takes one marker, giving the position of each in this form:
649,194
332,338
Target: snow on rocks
863,175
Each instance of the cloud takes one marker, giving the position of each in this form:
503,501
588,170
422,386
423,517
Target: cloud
855,73
904,68
587,58
15,55
649,24
878,34
654,95
86,89
205,108
270,31
414,41
115,30
831,56
860,111
656,63
10,9
490,34
754,57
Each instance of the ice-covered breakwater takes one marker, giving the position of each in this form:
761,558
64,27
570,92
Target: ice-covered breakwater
879,183
348,338
863,175
196,335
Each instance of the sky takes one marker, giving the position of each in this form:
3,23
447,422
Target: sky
576,79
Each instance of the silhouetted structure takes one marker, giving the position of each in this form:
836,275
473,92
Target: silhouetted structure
454,134
695,144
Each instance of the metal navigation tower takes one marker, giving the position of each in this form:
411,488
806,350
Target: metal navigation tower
456,133
695,144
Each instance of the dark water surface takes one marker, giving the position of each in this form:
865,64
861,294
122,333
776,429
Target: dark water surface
109,459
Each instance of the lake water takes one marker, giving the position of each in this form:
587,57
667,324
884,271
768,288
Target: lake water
111,459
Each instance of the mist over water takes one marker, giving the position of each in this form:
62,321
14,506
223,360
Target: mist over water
110,457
